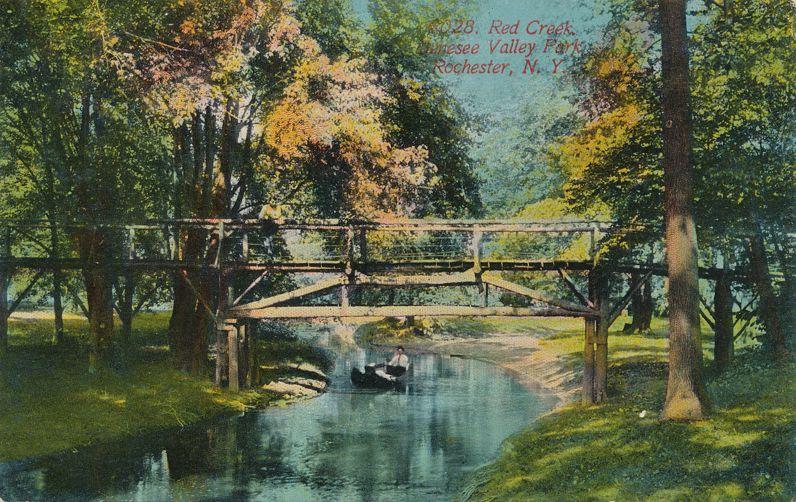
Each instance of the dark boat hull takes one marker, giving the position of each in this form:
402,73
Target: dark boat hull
372,380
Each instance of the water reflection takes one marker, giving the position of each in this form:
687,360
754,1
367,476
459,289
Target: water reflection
345,445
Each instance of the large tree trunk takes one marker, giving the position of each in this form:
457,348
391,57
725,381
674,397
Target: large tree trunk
94,245
58,306
187,339
189,346
769,307
205,195
685,395
648,305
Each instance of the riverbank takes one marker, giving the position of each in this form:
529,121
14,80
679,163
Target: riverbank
51,403
621,450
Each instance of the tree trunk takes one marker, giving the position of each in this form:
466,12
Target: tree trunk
723,335
187,339
774,341
187,327
647,306
4,281
639,307
94,247
685,394
58,307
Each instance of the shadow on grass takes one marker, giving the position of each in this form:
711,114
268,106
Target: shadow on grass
612,452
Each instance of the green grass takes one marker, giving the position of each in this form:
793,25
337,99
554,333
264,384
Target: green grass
609,452
51,403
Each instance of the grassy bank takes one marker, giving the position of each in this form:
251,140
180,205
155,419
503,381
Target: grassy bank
622,451
51,403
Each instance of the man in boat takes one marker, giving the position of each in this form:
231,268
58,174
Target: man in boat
398,364
386,373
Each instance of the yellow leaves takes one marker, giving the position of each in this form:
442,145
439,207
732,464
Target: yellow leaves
336,107
608,131
188,27
412,87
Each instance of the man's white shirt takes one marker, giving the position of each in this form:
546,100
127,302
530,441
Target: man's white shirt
400,360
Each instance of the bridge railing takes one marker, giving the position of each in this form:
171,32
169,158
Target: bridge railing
319,243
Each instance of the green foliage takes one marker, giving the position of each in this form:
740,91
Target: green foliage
423,110
743,122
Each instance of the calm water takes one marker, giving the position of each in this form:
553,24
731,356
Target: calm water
345,445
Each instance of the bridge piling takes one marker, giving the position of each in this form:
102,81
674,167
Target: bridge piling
234,362
601,337
587,390
589,350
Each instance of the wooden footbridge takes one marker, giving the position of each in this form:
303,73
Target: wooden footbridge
332,263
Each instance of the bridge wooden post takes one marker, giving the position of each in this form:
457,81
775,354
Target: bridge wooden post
475,248
588,346
233,378
348,245
601,338
244,245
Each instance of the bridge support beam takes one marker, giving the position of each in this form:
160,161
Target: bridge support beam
595,343
588,361
233,349
601,336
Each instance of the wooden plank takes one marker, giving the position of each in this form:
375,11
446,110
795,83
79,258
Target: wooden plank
459,279
232,350
24,293
493,279
400,311
707,319
250,287
708,309
573,287
587,385
296,293
77,300
623,303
